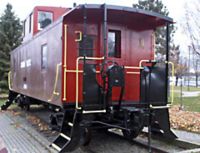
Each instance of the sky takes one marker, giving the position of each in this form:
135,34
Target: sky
176,8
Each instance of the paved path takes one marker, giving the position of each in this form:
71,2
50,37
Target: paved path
189,93
189,136
20,138
2,146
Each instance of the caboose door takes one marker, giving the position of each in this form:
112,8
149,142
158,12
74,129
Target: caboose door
82,89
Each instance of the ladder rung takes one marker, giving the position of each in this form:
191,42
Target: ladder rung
56,147
94,111
160,107
65,136
70,124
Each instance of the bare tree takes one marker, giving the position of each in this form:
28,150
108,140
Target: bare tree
180,67
192,29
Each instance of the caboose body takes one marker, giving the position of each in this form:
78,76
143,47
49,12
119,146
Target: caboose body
96,64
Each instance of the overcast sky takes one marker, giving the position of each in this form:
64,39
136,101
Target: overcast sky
176,8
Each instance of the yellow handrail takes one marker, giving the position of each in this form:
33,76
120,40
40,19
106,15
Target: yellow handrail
55,83
65,62
133,67
133,72
80,36
172,86
142,61
77,71
74,71
9,80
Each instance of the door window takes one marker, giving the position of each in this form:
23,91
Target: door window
87,46
114,43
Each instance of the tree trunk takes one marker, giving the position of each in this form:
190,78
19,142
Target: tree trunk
197,80
176,83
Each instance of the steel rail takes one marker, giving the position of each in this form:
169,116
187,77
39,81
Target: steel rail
176,142
139,143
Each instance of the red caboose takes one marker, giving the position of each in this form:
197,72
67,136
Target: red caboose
96,64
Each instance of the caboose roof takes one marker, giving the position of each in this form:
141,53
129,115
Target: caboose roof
133,17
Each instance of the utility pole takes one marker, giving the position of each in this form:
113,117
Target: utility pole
189,47
181,87
197,73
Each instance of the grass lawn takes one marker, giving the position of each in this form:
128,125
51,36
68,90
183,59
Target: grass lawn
189,103
2,101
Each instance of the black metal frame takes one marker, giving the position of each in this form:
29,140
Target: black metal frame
167,59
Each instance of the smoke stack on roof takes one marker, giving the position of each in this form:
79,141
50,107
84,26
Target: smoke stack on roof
74,5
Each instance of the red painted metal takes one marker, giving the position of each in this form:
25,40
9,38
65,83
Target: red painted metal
57,13
131,50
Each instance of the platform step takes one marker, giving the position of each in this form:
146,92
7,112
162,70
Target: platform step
70,124
69,136
56,147
60,142
65,136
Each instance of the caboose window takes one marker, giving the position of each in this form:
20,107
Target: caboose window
87,46
24,28
44,19
44,57
30,22
114,43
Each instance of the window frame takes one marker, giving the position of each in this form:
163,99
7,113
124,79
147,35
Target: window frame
24,27
30,22
117,44
38,14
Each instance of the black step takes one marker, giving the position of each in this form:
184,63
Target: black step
60,142
69,137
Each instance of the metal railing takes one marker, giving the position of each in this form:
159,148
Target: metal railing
77,76
55,83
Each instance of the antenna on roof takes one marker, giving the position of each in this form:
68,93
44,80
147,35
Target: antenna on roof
74,4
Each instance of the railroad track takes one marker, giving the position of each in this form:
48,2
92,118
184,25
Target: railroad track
141,141
186,146
138,142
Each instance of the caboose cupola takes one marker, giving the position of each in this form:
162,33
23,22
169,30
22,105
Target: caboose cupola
39,18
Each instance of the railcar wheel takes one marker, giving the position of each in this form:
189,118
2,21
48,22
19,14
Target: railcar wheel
19,102
130,134
27,107
85,136
134,126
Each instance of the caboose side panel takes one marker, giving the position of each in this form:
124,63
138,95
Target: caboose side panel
36,62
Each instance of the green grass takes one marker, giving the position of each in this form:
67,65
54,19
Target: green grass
189,103
2,101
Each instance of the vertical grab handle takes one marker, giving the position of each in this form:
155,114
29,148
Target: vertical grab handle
80,36
172,87
9,81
